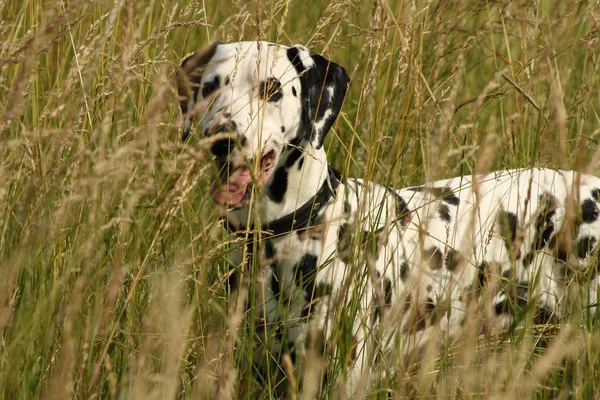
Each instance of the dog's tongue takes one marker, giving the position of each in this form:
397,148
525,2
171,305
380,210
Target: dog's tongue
232,192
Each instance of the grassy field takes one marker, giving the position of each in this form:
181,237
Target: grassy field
111,251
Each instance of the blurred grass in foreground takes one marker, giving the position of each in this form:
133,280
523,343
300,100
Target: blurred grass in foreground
111,253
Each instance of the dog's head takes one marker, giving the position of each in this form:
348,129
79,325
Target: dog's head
262,96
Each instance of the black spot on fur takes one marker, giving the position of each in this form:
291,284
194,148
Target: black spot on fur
210,86
297,142
446,194
528,259
282,129
515,299
369,241
435,258
507,222
444,212
300,163
305,268
279,184
402,211
293,156
453,259
426,315
482,273
270,90
449,197
585,245
305,272
347,207
404,270
222,147
275,287
233,280
589,211
343,243
227,81
596,194
502,307
341,235
544,226
560,252
323,289
407,302
387,300
294,93
387,290
227,127
429,305
545,236
366,240
421,324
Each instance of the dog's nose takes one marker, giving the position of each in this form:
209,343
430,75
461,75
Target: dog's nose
223,147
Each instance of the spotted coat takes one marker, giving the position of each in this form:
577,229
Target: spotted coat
408,262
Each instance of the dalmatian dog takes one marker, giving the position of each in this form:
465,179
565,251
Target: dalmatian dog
327,253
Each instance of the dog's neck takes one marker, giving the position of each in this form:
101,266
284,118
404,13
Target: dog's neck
298,176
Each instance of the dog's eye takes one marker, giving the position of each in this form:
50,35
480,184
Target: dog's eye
210,86
270,90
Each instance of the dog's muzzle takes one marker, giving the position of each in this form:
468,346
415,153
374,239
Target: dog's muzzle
231,186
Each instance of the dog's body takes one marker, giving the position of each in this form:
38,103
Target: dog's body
408,261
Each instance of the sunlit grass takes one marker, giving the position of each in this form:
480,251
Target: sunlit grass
113,262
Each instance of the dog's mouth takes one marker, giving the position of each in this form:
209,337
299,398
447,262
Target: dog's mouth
231,187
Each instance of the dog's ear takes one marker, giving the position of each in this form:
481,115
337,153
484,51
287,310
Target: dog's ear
188,83
324,85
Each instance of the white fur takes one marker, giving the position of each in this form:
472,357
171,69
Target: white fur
413,261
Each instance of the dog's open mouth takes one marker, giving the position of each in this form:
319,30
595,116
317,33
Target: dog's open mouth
231,186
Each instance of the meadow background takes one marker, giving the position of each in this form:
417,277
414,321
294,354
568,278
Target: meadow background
112,253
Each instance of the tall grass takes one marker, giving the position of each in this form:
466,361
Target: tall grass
112,256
